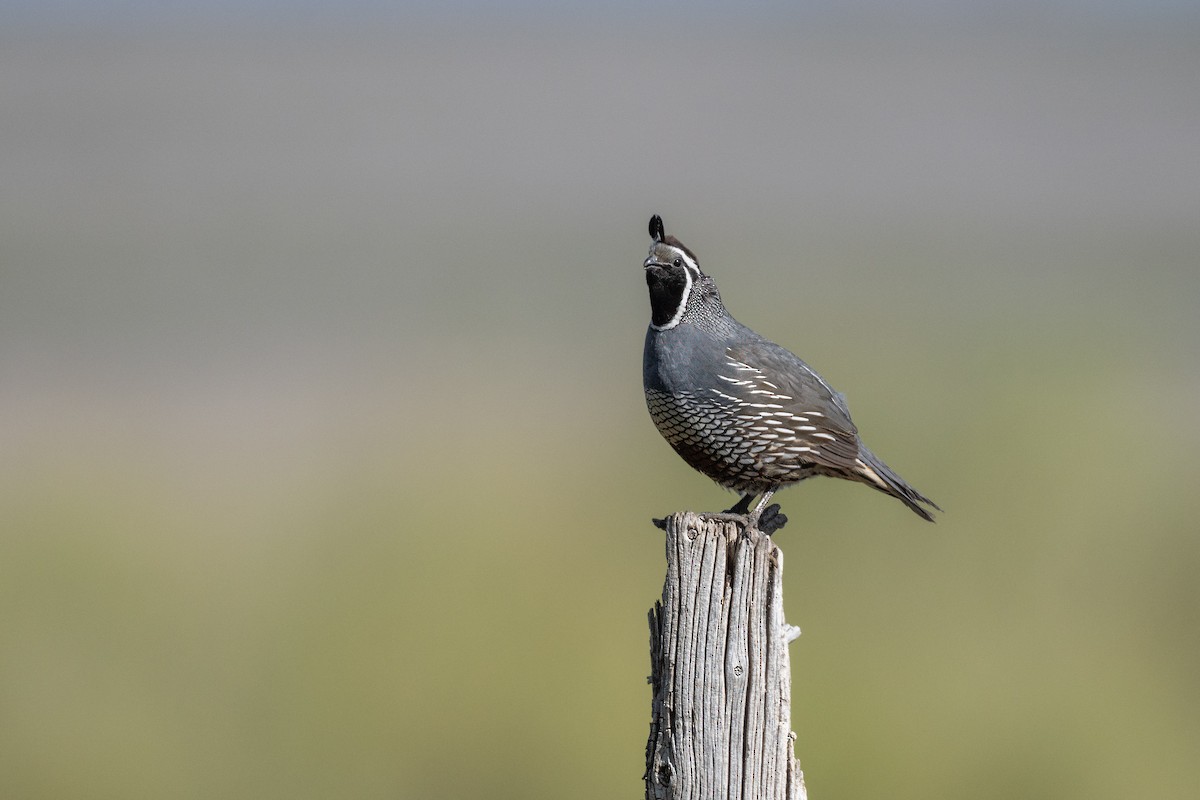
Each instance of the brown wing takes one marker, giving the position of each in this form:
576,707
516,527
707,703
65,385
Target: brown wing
803,414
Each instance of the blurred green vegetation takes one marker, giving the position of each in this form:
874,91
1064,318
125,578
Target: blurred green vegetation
327,474
448,598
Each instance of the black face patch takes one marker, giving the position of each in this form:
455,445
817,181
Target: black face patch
668,290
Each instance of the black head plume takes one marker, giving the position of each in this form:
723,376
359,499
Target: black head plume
656,228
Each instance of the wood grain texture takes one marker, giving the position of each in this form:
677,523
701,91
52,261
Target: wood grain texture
721,677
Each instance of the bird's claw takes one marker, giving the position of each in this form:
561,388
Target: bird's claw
769,521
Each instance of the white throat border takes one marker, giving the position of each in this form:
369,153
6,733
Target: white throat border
689,267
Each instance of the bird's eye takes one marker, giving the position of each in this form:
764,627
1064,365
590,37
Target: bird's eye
677,262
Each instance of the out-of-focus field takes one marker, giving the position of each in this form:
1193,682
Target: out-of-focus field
324,468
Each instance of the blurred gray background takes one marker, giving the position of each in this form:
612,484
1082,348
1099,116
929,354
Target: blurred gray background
326,470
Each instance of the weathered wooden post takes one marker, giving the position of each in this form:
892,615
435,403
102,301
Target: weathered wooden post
721,713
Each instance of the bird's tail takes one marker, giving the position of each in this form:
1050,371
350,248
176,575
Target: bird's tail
879,475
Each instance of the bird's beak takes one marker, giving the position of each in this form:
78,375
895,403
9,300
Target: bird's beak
650,262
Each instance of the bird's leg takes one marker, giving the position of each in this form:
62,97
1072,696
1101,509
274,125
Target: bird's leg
762,503
742,505
767,518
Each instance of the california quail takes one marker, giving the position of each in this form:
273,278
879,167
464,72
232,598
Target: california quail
738,408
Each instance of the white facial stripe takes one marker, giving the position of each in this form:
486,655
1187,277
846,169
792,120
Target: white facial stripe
691,265
690,268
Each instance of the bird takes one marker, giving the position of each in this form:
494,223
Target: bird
738,408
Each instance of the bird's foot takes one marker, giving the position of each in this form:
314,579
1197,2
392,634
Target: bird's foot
724,516
771,519
727,516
